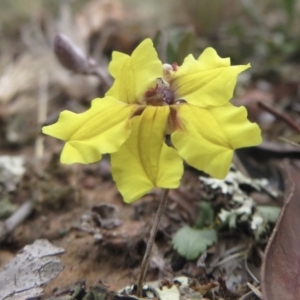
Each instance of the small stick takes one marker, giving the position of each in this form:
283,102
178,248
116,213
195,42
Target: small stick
289,142
291,123
247,268
255,290
15,219
102,75
42,113
153,232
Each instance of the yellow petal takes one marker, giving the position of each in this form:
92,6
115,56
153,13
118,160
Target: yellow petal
235,125
101,129
208,81
134,74
206,139
144,161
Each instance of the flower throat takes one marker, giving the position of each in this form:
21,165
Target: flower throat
160,95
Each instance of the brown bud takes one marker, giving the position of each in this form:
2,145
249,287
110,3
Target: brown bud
71,56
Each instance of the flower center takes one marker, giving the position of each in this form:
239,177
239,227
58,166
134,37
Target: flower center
160,95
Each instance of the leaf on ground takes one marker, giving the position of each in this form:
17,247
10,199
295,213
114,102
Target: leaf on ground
190,242
269,213
37,264
6,208
281,264
206,216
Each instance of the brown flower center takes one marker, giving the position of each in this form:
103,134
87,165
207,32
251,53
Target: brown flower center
160,95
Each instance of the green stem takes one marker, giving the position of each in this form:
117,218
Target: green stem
150,243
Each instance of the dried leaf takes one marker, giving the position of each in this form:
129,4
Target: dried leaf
37,264
280,269
33,293
201,288
190,242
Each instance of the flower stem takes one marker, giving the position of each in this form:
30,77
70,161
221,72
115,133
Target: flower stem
153,232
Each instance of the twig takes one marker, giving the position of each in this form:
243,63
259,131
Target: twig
255,290
247,296
42,113
15,219
102,75
281,116
248,270
236,255
289,142
153,232
102,42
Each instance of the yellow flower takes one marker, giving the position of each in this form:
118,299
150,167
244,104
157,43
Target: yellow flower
148,100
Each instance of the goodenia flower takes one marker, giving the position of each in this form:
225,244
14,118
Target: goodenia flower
149,101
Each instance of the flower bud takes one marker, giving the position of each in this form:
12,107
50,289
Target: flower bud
71,56
168,72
